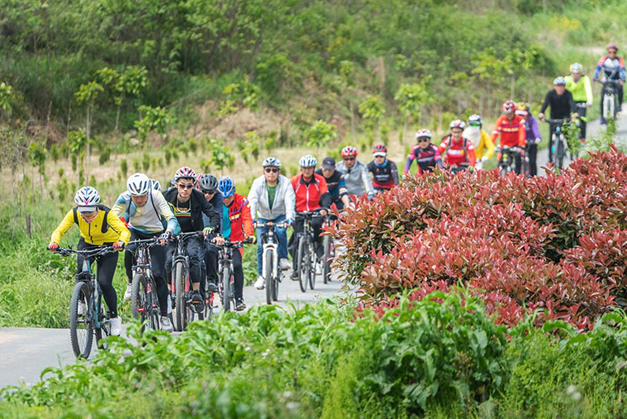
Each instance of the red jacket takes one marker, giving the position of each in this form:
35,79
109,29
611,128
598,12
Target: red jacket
241,220
308,195
460,153
512,132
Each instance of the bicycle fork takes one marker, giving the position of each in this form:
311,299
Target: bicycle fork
275,258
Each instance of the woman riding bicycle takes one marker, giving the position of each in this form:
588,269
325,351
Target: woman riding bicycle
532,134
426,154
458,152
613,68
511,128
384,171
99,226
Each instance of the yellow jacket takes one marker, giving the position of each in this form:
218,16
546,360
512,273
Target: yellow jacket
114,229
485,147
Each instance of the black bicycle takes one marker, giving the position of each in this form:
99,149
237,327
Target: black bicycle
226,283
181,290
329,250
558,142
87,313
144,300
272,272
305,251
507,160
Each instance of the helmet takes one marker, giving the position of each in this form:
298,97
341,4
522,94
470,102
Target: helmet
475,120
87,197
308,161
422,133
349,150
226,186
379,150
509,106
576,68
458,123
185,173
559,81
271,162
156,185
208,183
612,45
138,184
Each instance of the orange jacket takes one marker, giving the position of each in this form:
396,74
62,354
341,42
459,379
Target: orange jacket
308,196
512,132
241,220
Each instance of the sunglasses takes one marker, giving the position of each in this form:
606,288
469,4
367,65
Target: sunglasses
209,192
186,185
349,158
424,140
474,124
272,170
87,212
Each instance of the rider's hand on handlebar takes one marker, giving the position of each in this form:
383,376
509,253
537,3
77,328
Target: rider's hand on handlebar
167,235
118,246
219,240
621,82
251,239
53,247
541,116
207,231
323,212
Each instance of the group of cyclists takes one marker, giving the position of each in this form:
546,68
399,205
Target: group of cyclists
202,203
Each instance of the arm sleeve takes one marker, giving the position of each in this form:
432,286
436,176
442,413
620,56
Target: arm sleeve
488,144
63,227
365,179
597,71
253,199
442,147
394,172
438,158
496,130
117,224
472,157
165,211
571,101
622,69
410,158
290,202
247,220
522,132
535,129
588,86
546,102
119,208
210,212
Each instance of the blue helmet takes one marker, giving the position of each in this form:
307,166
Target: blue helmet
226,186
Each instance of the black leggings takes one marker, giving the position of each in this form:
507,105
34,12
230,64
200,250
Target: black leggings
106,265
532,152
238,274
157,266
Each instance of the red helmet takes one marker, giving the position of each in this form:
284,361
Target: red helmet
509,106
348,151
185,173
612,45
198,177
379,150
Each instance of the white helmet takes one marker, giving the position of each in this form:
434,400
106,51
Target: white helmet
87,198
308,161
271,162
138,184
423,133
559,81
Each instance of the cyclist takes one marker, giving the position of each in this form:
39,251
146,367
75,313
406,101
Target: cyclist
426,154
311,193
271,199
384,171
458,151
237,225
532,136
613,69
189,204
336,185
562,107
481,141
98,226
145,210
579,85
512,130
208,185
355,173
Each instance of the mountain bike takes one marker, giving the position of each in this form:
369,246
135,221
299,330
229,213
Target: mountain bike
609,99
226,282
558,142
506,157
144,300
87,314
181,291
305,251
329,250
272,272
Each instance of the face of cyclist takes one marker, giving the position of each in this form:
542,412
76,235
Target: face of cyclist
456,133
576,77
209,194
379,159
140,201
271,174
423,142
307,172
228,201
559,89
349,161
612,53
185,187
88,216
327,173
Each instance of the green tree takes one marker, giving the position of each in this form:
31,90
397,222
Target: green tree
372,110
38,155
154,119
77,141
320,134
411,98
6,96
87,94
220,156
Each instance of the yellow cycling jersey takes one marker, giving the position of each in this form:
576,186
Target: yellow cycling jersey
98,231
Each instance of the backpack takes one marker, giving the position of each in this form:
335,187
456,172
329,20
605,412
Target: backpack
105,222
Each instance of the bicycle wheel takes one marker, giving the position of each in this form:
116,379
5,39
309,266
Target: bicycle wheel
267,274
560,154
104,330
180,309
313,263
139,299
81,325
275,285
153,305
226,289
303,264
192,313
326,260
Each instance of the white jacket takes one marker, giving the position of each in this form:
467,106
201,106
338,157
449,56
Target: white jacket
357,180
284,199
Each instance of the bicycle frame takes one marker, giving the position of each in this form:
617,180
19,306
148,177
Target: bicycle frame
270,242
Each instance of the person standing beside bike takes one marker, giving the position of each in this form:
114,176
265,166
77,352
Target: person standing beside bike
562,107
272,200
98,226
355,173
208,185
426,154
511,127
458,152
336,185
146,211
189,205
481,141
311,194
613,68
384,171
533,136
578,84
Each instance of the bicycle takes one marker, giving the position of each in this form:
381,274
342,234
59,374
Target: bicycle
329,251
305,252
144,301
558,142
226,283
181,291
86,306
609,99
506,157
272,272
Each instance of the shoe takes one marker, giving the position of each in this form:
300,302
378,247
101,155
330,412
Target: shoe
166,324
197,301
318,268
239,305
169,304
116,326
294,276
211,287
260,283
285,264
128,292
82,308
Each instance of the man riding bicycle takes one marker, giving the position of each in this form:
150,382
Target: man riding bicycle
237,225
336,185
511,127
98,226
311,194
208,185
189,205
355,173
562,107
146,211
272,199
426,154
613,68
578,84
458,152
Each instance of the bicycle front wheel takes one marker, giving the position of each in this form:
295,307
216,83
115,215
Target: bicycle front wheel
326,260
81,325
560,154
226,289
267,275
313,263
139,299
303,264
180,310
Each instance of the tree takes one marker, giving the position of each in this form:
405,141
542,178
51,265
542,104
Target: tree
220,156
411,98
6,96
154,119
38,155
320,134
131,82
78,141
372,110
87,94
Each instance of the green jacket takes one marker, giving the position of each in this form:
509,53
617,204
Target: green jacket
581,91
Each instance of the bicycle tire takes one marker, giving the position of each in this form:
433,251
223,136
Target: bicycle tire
267,274
275,285
560,154
313,262
105,328
303,267
326,260
226,289
81,294
191,310
179,298
139,299
153,304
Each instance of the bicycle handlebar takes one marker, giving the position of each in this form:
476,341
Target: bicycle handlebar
87,253
555,121
234,244
271,224
152,241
